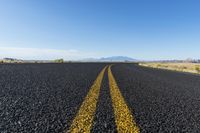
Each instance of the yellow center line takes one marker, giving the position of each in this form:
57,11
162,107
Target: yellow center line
83,120
124,120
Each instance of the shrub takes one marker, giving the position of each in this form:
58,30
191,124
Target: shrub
59,61
158,65
197,68
165,66
184,67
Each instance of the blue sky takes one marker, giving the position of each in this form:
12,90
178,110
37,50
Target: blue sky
75,29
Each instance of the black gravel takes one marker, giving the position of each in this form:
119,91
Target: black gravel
43,97
161,100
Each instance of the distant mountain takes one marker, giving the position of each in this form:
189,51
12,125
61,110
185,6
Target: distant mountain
118,59
110,59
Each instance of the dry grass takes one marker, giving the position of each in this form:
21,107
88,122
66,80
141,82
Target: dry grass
183,67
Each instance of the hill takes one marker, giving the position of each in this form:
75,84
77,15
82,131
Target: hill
118,59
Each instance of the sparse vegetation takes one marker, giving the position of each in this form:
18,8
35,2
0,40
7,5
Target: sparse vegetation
59,61
184,67
197,68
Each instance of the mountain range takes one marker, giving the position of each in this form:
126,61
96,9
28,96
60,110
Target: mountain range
111,59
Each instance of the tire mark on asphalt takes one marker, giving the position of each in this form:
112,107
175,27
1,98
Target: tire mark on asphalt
83,120
123,118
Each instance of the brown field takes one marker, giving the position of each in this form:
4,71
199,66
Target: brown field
183,67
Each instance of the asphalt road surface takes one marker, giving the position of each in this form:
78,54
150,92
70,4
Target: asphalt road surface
97,97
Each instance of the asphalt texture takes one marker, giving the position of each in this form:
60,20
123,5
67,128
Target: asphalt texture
43,97
161,100
46,97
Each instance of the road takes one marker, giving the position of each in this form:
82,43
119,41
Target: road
97,97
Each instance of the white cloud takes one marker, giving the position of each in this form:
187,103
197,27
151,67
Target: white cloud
43,54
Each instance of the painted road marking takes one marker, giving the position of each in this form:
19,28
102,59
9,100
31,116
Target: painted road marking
83,120
123,118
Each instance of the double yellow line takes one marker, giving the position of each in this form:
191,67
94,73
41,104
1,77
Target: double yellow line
84,118
123,117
